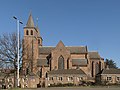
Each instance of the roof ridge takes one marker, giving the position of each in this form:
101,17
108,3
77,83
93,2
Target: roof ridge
47,46
93,51
75,46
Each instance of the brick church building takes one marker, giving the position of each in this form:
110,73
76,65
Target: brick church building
59,64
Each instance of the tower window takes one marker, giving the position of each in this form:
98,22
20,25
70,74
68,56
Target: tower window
31,32
27,33
38,41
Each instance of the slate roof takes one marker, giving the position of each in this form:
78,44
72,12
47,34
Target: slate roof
42,62
73,50
81,49
30,22
111,71
45,50
94,55
67,71
79,62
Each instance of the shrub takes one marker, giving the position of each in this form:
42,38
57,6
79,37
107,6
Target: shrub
86,83
61,85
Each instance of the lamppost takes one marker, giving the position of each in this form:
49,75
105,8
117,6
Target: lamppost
18,49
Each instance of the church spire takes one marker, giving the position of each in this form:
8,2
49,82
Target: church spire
30,22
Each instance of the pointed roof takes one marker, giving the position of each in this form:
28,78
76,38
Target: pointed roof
30,22
60,44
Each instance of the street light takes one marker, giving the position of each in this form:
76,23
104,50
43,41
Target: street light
18,49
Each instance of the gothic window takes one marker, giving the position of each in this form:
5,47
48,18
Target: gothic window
61,62
46,75
68,64
31,32
92,69
27,33
41,73
100,66
96,68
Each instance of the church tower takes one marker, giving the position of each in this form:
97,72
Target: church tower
31,42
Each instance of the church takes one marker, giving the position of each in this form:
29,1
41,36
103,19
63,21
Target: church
44,66
59,64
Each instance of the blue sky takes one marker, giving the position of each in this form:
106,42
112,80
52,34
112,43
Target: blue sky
95,23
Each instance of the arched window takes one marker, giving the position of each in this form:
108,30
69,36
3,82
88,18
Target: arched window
96,68
27,33
41,73
27,71
31,32
38,41
100,66
92,69
68,64
61,62
46,75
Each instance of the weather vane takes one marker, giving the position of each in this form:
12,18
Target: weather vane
37,20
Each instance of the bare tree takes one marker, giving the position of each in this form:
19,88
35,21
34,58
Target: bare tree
8,48
1,64
8,51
